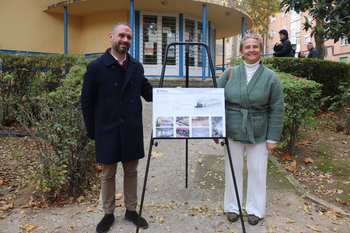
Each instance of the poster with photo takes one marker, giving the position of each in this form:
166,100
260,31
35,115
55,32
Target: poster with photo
188,113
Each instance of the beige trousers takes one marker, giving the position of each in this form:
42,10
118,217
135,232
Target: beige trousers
108,186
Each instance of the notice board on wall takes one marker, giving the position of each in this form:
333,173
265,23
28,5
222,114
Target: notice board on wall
188,113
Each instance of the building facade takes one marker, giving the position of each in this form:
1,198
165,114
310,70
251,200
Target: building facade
81,27
293,23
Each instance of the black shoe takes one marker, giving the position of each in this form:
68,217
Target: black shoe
253,220
232,217
105,223
133,216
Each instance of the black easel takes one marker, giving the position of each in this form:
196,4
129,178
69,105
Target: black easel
152,141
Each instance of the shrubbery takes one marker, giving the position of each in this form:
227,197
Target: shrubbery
330,74
302,99
23,76
49,110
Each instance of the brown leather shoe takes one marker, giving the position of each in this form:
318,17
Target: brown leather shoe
105,223
133,216
253,220
232,217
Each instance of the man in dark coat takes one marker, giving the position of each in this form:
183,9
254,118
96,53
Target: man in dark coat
312,51
112,110
284,47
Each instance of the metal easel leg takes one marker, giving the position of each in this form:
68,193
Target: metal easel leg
145,182
186,162
235,184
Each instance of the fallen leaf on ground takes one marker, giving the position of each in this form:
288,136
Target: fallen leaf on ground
286,157
331,212
119,204
31,227
308,160
200,160
314,228
6,207
156,154
332,138
291,167
89,209
118,196
319,134
305,143
80,198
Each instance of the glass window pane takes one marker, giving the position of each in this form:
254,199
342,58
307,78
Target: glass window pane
189,36
150,39
169,36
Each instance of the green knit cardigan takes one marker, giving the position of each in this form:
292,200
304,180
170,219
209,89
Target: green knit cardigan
254,111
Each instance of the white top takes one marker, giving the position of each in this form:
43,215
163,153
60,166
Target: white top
119,61
250,69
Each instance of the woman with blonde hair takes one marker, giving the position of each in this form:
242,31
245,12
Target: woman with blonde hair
254,121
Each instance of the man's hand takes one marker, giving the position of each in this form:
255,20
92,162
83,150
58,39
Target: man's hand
271,147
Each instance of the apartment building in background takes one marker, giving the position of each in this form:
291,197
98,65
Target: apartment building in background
293,23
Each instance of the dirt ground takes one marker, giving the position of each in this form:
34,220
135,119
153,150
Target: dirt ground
322,160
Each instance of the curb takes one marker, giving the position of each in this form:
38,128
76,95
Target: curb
302,191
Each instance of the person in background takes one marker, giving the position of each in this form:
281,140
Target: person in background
112,111
284,47
254,121
301,55
294,48
312,51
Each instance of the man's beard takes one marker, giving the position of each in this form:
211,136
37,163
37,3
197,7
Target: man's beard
120,50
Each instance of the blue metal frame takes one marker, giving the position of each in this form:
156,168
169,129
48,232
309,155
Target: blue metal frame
243,26
137,35
132,26
65,29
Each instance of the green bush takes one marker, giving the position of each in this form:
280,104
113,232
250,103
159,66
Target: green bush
330,74
57,127
49,110
22,76
302,99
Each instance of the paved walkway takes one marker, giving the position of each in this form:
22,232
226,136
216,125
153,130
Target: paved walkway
171,207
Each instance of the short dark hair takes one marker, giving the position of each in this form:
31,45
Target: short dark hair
117,24
284,32
294,45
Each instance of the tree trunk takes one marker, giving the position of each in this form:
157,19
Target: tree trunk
319,40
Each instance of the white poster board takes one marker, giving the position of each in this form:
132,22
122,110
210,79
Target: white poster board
188,113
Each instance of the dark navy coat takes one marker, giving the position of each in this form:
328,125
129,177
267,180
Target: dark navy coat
112,108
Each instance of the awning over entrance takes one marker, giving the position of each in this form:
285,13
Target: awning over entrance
225,16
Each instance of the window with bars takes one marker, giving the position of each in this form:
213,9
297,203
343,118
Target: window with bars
169,36
189,36
149,37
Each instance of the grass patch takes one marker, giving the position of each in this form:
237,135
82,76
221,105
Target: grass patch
330,164
210,174
276,178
